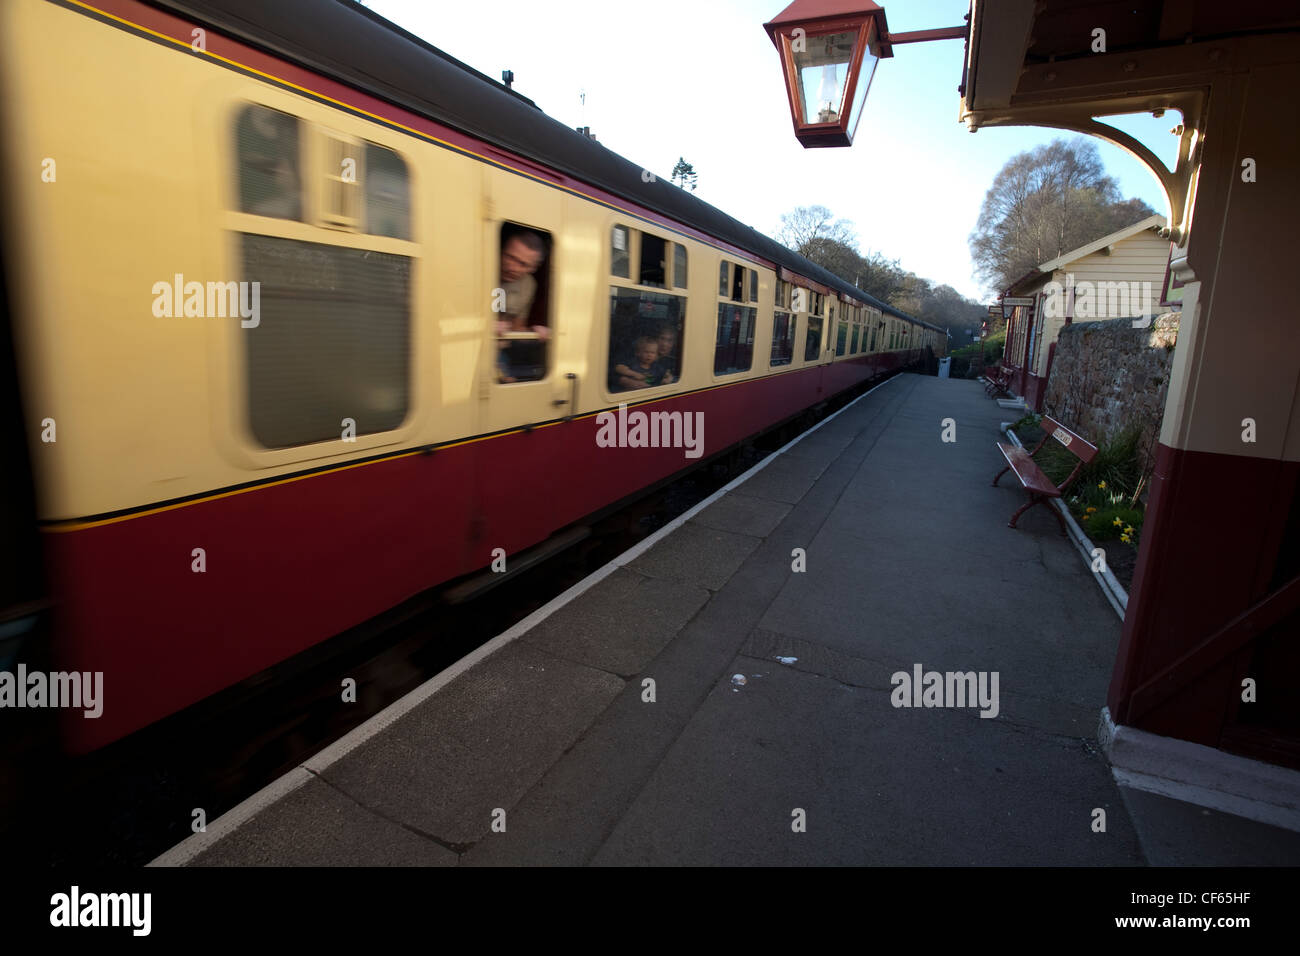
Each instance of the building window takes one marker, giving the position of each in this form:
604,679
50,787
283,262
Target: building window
270,178
645,336
783,326
332,341
618,252
734,350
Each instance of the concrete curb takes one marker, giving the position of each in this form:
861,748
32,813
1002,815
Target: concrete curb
1109,584
1201,775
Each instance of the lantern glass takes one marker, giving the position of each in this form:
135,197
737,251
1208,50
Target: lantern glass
867,71
823,70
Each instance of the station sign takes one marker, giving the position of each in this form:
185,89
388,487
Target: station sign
1012,302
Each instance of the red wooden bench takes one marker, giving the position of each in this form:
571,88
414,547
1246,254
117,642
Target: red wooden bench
996,380
1038,485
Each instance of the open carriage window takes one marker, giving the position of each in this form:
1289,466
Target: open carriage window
521,304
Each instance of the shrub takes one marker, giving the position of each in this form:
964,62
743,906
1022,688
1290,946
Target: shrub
1100,525
1113,474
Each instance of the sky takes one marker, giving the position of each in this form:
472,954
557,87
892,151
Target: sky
701,80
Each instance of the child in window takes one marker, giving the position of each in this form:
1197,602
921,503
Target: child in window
644,370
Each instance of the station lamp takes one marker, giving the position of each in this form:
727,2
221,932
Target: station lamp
829,50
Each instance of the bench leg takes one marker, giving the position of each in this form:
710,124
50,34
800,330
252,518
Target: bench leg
999,475
1036,500
1033,500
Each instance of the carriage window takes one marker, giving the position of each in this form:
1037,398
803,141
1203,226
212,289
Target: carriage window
332,340
812,349
679,265
618,252
853,347
841,337
753,285
388,194
520,304
723,276
270,182
645,335
783,326
738,284
654,261
734,351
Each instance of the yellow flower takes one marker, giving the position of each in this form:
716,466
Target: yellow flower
1125,539
1128,530
1089,510
1118,523
1102,485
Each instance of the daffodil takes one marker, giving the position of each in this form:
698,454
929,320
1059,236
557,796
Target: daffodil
1128,530
1102,485
1089,510
1125,539
1118,523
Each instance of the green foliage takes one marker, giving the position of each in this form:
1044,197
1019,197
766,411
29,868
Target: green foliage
684,174
1116,465
1032,420
1100,525
993,346
1103,492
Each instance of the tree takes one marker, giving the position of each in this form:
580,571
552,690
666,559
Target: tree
684,174
802,229
1043,203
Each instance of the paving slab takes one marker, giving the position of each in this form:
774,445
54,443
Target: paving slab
696,554
477,746
870,784
621,623
316,825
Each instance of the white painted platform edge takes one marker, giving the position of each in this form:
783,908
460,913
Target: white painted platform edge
1109,584
274,791
1201,775
230,821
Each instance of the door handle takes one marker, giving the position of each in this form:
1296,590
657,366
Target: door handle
572,400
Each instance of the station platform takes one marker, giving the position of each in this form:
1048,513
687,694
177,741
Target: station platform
771,736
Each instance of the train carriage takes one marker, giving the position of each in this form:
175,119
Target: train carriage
254,276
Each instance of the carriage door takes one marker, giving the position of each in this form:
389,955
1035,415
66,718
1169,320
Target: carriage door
523,383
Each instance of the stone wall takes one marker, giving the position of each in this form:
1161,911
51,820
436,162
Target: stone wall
1107,376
